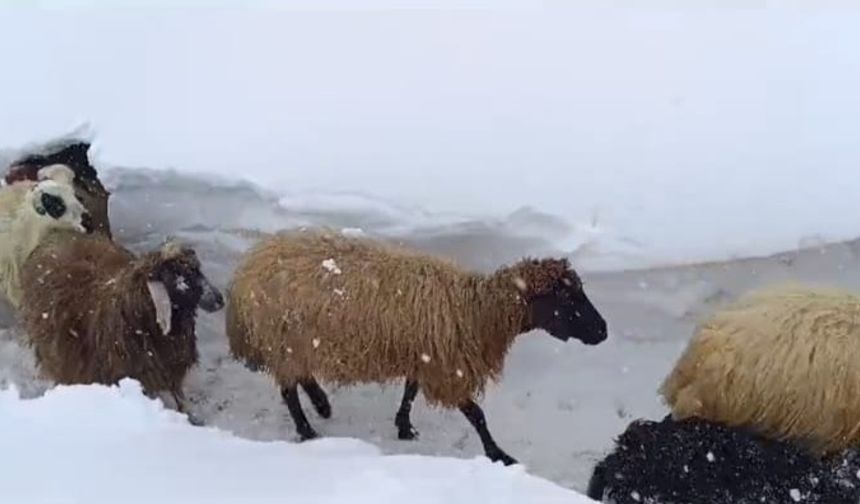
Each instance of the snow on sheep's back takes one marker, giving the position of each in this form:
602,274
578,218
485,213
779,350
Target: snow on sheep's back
99,444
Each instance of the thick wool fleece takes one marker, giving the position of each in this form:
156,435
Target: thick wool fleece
783,362
695,461
350,310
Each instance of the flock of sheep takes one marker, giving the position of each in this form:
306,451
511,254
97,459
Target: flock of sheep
765,401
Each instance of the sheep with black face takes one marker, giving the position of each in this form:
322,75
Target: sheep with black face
96,313
29,211
88,187
314,305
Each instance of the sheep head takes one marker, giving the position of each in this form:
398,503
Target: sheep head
556,300
88,187
54,205
177,282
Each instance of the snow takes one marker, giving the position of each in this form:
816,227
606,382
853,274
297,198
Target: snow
795,495
97,444
623,136
629,136
557,407
331,266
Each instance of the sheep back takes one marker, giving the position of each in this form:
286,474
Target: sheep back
90,318
350,310
783,362
694,460
11,198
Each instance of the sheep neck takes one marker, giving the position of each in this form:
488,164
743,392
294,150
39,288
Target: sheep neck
503,313
28,235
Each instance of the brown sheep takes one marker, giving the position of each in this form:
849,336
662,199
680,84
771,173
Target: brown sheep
95,313
782,362
88,188
308,305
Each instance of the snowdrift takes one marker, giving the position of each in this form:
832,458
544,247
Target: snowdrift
94,444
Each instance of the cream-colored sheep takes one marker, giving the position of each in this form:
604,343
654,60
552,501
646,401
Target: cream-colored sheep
27,212
784,362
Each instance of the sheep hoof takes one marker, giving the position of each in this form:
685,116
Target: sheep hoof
407,434
308,435
323,409
194,420
502,457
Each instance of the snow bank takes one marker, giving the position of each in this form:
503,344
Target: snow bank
95,444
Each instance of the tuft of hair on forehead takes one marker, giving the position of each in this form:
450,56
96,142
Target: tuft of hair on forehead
172,250
50,186
57,172
535,277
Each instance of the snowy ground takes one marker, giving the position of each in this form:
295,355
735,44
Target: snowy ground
623,134
558,405
148,454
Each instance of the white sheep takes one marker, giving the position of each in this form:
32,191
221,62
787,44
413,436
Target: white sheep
28,211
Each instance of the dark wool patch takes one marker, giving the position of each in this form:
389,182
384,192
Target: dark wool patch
694,461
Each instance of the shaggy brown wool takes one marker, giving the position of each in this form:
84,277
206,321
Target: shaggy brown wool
783,362
90,316
351,310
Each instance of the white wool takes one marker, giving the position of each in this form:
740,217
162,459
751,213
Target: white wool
23,227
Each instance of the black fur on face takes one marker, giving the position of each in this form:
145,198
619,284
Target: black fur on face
565,311
73,155
52,205
186,284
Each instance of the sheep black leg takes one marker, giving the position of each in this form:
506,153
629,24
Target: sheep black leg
476,417
405,430
597,483
290,394
318,397
192,418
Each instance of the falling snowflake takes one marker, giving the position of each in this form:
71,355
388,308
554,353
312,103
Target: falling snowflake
520,283
635,495
425,358
331,266
795,494
710,457
181,285
459,373
352,232
289,350
45,315
339,292
316,342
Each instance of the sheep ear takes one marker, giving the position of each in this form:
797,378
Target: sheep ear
162,304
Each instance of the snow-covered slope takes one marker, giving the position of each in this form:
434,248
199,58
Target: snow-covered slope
94,445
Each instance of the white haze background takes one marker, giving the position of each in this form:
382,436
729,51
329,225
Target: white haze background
629,136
